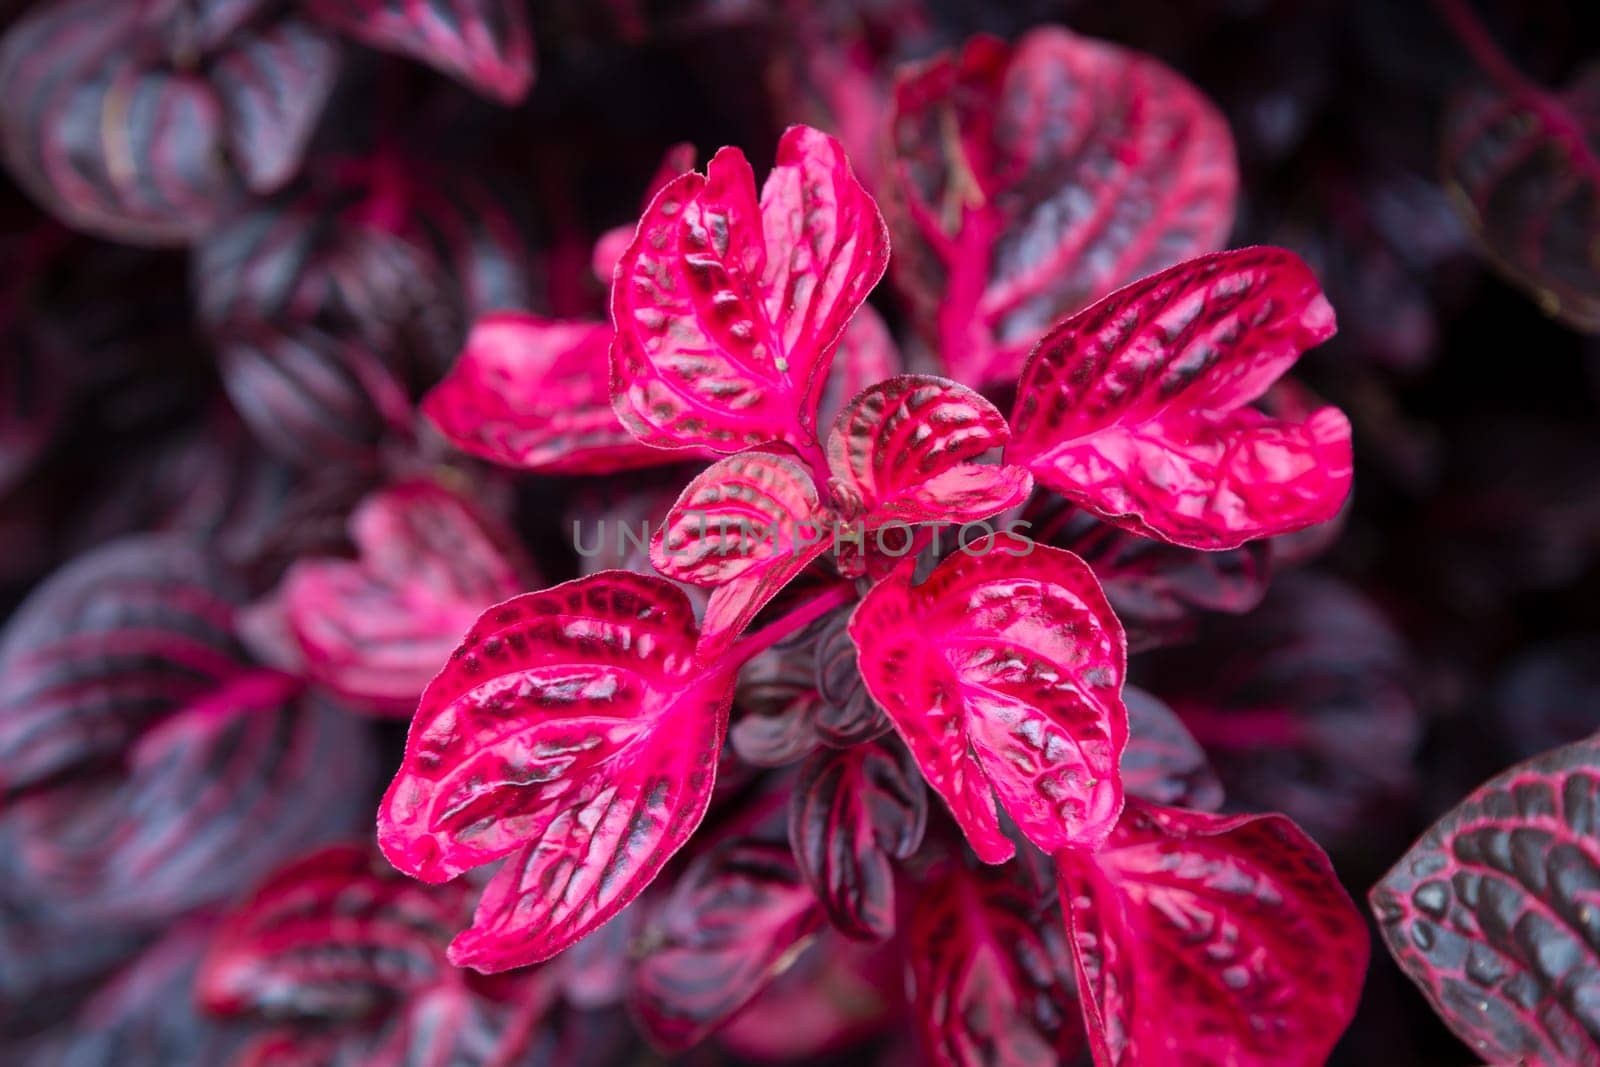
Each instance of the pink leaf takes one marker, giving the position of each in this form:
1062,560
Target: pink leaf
1031,180
575,728
746,525
376,629
1492,912
991,978
728,311
535,394
900,452
1211,939
485,44
1002,673
1136,408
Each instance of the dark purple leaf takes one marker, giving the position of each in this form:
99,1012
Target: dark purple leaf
109,646
1307,706
145,124
335,305
146,1014
737,917
990,974
212,798
853,812
335,935
845,714
485,44
1157,589
1526,174
1163,763
1495,912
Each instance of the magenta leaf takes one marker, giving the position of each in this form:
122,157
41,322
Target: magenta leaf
1137,408
1525,171
737,917
1030,180
1211,939
900,452
485,44
376,628
728,310
1493,911
1163,763
106,648
335,935
990,974
574,731
212,798
853,812
125,126
535,394
1002,672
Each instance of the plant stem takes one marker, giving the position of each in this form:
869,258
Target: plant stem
747,646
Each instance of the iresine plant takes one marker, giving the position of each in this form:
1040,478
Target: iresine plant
577,737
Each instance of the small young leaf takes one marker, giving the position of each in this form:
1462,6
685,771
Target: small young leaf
728,311
1495,912
1137,407
1027,181
1211,939
1002,672
575,728
900,451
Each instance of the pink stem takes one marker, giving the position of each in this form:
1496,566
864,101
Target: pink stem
797,620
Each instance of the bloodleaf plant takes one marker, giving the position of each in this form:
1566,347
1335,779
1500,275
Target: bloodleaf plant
576,737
